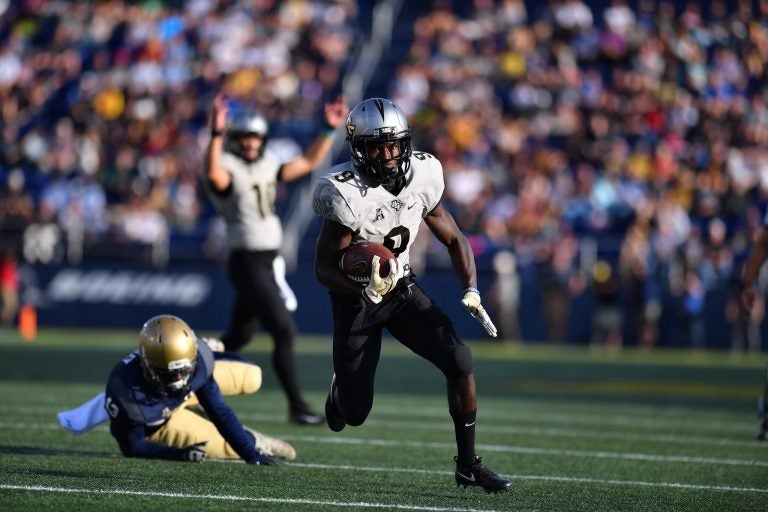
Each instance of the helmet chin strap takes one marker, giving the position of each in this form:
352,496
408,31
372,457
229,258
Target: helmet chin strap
395,185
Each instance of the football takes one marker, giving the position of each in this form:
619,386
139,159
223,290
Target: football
356,260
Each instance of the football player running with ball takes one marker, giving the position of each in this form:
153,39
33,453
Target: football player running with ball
382,195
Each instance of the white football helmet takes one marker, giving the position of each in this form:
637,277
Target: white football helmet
372,122
168,353
246,122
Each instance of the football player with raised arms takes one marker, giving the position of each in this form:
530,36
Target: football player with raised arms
382,195
165,401
241,176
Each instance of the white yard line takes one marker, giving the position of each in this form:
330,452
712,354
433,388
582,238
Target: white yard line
489,416
374,469
601,417
571,432
538,451
341,440
740,435
258,499
599,481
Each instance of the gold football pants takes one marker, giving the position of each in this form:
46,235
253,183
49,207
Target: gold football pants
186,427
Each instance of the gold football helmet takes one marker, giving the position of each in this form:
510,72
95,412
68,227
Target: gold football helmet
168,353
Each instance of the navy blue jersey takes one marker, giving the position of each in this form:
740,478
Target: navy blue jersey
136,408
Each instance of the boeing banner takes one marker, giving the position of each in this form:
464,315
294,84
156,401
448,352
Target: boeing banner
122,295
125,296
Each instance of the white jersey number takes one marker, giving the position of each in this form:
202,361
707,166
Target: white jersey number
397,239
111,407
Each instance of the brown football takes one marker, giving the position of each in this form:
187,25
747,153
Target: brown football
356,260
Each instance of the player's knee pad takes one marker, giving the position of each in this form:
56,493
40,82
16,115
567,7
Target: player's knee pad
237,377
251,378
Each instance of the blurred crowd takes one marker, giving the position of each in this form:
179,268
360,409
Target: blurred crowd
616,151
619,151
104,107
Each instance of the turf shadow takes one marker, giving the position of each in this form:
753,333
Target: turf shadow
50,452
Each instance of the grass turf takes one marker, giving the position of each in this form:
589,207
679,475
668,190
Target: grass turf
575,429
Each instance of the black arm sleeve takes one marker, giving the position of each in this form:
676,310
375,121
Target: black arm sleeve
226,421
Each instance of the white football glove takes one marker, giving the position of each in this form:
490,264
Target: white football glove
471,301
379,286
216,345
195,452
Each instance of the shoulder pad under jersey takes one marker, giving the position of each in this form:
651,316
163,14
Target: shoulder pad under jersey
426,179
339,196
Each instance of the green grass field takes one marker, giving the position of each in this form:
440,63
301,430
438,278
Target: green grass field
574,429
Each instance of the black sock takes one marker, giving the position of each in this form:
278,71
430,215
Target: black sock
464,426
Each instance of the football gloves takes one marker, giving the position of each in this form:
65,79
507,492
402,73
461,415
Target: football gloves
263,460
379,286
194,452
471,301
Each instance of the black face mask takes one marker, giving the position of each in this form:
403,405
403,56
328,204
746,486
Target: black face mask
376,169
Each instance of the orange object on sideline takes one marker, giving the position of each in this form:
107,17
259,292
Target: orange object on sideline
28,322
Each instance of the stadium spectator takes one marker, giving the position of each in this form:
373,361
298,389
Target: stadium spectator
165,401
9,287
608,107
504,295
404,188
241,175
654,113
129,101
606,331
753,268
17,209
638,285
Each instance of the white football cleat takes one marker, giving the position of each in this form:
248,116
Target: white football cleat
272,446
214,344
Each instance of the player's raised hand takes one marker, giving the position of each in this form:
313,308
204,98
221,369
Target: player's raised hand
219,113
471,301
195,452
336,112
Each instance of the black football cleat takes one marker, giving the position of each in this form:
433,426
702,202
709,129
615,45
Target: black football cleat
305,417
333,416
762,432
474,473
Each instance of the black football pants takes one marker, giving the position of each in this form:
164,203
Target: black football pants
258,300
412,318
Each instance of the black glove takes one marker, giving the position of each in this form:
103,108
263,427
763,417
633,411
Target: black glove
194,452
263,460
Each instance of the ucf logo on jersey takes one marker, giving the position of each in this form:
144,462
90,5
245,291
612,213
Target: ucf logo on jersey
371,212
